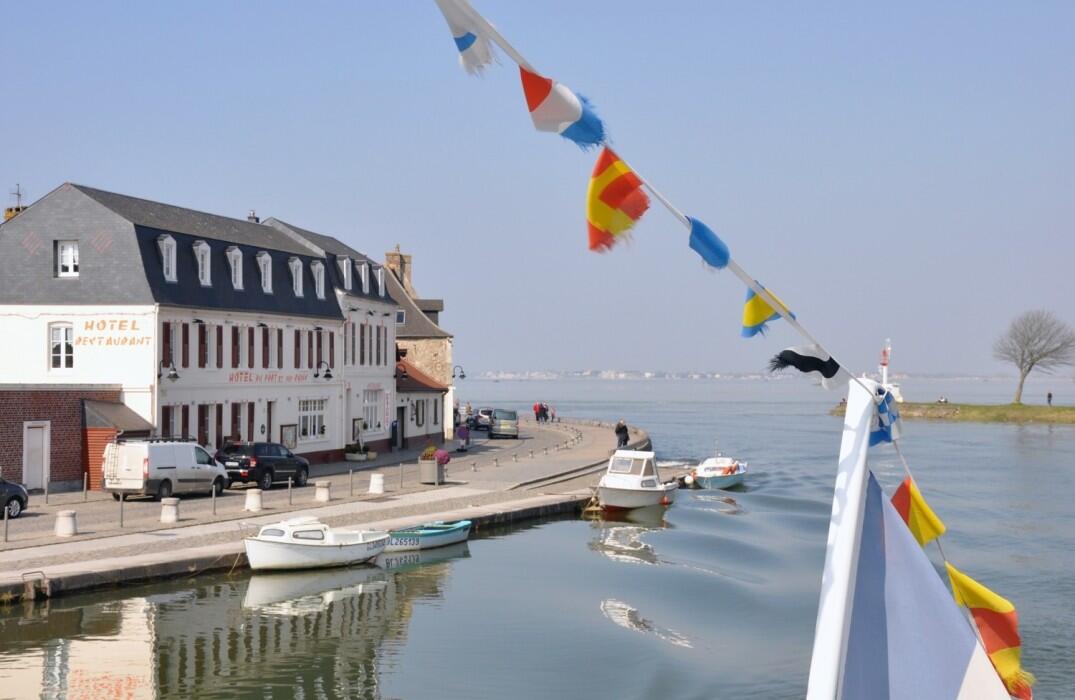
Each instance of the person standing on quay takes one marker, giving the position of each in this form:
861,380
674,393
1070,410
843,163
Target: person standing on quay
622,434
1049,398
537,411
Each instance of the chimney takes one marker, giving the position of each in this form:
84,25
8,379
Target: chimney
400,265
253,217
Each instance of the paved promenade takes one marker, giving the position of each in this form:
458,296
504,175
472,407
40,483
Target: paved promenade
549,468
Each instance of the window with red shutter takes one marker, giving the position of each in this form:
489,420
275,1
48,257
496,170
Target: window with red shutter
235,336
203,347
331,349
265,348
279,348
166,343
309,349
319,358
298,349
250,347
219,347
186,346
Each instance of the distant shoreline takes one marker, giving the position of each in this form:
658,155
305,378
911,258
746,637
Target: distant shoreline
983,413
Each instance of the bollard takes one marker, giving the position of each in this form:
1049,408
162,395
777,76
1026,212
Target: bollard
473,466
496,461
401,475
46,492
351,482
122,498
531,454
322,493
66,525
85,487
253,500
546,450
514,457
169,511
213,497
376,483
289,482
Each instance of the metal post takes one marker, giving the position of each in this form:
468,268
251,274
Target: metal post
351,480
401,475
5,523
531,454
514,457
496,461
121,500
46,492
85,487
213,496
289,490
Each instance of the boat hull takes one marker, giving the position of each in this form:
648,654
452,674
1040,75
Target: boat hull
720,482
626,499
274,556
427,537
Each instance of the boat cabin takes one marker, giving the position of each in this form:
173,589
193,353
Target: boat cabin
304,529
631,466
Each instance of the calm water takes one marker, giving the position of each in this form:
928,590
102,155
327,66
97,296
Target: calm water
716,597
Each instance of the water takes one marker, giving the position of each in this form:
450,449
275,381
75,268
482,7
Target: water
716,597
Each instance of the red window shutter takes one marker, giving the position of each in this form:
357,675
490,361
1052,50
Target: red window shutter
250,421
298,349
331,349
234,347
353,333
219,425
362,345
309,349
250,347
166,421
378,345
319,358
279,348
203,347
185,432
186,347
166,343
219,346
264,348
236,422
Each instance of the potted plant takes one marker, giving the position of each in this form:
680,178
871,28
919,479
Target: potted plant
370,454
354,453
430,471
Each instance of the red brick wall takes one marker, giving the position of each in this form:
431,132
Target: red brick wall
63,408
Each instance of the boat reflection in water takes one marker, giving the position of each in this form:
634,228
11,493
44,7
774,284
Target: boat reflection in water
406,561
324,633
623,543
628,617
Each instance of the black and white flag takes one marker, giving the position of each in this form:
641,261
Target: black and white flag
810,359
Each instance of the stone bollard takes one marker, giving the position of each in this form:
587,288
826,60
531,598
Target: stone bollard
66,526
322,493
253,501
169,510
376,483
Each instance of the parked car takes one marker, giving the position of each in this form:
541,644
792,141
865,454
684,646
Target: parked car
160,468
263,463
504,424
14,497
482,419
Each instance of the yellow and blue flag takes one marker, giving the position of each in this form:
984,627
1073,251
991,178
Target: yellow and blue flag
757,312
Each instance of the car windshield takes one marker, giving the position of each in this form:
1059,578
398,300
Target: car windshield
505,415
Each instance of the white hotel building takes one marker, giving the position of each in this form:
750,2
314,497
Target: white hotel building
182,323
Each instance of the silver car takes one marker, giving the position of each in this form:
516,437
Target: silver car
504,423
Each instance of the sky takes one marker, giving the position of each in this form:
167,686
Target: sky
903,172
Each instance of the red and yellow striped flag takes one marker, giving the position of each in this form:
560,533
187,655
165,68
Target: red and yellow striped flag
614,200
920,518
998,623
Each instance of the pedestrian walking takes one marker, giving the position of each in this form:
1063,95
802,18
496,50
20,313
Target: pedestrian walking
1049,398
537,411
552,413
462,433
622,434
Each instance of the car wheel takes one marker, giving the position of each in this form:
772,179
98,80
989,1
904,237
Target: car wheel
14,508
218,486
302,477
164,490
265,482
117,496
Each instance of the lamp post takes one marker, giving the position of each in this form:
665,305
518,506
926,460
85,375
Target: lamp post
461,375
328,370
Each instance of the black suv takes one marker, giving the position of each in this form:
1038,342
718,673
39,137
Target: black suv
262,463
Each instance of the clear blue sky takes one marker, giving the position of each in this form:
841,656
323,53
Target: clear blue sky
904,172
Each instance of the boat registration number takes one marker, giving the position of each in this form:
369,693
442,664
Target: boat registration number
405,541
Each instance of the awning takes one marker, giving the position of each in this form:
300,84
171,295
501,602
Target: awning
109,414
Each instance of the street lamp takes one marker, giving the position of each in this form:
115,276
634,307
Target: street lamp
172,374
462,374
328,370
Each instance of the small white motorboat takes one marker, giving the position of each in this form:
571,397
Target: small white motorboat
719,473
632,481
428,536
307,543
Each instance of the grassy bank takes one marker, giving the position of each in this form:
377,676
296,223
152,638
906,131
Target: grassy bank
984,413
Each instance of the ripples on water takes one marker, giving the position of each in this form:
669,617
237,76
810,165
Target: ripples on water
715,597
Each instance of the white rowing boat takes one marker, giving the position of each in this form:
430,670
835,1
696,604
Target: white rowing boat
307,543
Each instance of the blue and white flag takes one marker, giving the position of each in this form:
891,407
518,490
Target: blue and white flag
886,425
475,50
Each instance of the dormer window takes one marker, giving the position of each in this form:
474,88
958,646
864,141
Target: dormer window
201,256
235,260
364,273
345,271
296,275
318,270
380,281
166,244
67,258
265,267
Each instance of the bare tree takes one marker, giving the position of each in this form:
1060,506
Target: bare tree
1035,340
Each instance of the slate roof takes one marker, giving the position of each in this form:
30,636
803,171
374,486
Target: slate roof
166,217
326,244
415,323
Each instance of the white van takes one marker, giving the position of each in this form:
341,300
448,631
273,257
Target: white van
160,468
